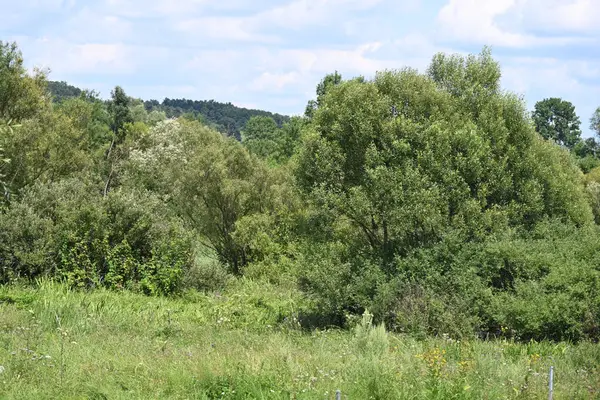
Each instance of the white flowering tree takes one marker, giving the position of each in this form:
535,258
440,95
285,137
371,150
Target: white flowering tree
211,181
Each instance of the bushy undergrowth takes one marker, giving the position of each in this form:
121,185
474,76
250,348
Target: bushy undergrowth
67,231
60,343
542,284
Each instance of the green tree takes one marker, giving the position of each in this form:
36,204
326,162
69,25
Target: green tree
120,113
48,143
555,119
120,116
595,122
212,182
44,148
4,127
290,136
138,112
326,83
155,116
458,162
260,136
21,95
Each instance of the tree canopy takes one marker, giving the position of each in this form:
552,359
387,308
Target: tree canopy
555,119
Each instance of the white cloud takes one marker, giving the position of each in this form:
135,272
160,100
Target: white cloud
65,58
228,28
274,81
477,21
565,16
294,15
300,13
89,26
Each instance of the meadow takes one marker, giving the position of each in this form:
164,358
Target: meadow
245,343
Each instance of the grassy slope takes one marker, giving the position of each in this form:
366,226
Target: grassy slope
55,343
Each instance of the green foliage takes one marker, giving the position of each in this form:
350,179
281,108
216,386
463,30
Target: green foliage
120,113
44,148
224,117
260,136
371,340
595,121
66,229
323,87
211,181
555,119
21,95
62,91
414,193
5,127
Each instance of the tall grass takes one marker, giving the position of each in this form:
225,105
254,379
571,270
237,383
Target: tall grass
57,343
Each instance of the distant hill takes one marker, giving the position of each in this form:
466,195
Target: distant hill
225,117
62,90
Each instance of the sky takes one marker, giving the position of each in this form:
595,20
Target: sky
270,54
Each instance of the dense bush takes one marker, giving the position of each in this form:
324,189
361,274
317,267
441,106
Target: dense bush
66,229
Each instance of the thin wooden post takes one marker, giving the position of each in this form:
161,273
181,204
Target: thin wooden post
551,383
338,395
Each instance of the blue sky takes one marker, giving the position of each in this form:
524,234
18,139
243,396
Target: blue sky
271,54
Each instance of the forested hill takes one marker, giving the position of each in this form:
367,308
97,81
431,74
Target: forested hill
225,117
62,90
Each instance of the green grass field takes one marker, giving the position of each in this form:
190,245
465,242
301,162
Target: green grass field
61,344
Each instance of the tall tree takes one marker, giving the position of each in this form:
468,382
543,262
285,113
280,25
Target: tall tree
120,116
595,122
555,119
120,113
461,155
47,145
21,95
329,81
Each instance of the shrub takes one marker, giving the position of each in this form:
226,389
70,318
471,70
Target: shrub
66,230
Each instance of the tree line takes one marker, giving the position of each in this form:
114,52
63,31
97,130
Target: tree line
223,117
435,200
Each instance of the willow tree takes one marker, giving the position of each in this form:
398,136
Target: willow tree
407,157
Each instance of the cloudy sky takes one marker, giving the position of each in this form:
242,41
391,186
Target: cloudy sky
270,54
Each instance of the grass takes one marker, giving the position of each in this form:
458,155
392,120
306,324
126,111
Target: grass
243,344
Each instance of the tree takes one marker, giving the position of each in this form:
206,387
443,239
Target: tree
290,136
120,116
21,95
555,119
62,91
212,182
155,116
326,83
120,113
260,136
595,122
48,144
460,160
44,148
138,112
